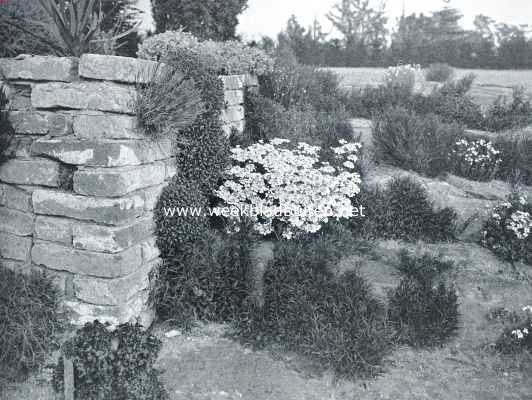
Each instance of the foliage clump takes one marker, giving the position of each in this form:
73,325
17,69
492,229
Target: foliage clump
507,230
30,321
402,210
112,364
439,72
413,142
335,321
423,309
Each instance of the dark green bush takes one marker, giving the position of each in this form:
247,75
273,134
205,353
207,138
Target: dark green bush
30,321
336,322
168,104
517,338
503,114
439,72
477,160
112,365
206,280
423,310
177,224
403,211
413,142
516,156
369,101
511,244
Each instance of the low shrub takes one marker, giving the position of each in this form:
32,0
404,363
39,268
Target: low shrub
336,322
112,365
507,230
423,310
175,230
475,159
504,114
402,210
289,187
516,159
439,72
402,76
226,58
207,280
413,142
30,321
370,101
168,104
517,338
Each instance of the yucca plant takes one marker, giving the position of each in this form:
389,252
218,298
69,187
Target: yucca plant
73,26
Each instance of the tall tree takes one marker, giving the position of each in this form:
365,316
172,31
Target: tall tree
207,19
363,28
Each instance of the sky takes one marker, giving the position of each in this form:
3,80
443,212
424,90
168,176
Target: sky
268,17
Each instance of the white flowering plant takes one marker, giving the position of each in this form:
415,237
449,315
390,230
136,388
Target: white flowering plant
507,232
403,76
288,189
475,159
519,336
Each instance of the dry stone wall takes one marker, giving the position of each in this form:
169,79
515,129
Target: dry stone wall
77,199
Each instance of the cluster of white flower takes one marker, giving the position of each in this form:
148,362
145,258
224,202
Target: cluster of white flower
522,333
279,176
477,152
403,76
520,223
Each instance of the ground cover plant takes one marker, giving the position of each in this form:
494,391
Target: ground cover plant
414,142
507,230
423,309
517,338
30,321
334,321
290,187
402,210
475,159
112,364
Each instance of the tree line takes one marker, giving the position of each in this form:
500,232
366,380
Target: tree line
365,40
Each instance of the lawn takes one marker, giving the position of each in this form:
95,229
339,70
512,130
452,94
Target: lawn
488,86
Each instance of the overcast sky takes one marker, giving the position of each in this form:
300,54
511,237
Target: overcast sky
268,17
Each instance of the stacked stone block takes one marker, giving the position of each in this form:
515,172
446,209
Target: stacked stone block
77,199
233,116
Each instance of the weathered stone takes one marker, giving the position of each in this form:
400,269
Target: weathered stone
18,266
236,126
234,97
95,125
115,182
111,292
14,247
116,68
54,229
39,68
151,196
108,239
100,96
97,153
171,168
20,146
20,97
233,82
16,222
251,81
31,172
106,211
150,251
40,123
16,198
135,310
233,113
103,265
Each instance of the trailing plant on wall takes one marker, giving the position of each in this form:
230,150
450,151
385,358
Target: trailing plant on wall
6,130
